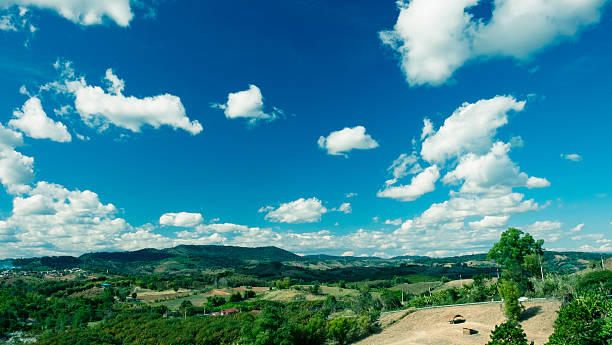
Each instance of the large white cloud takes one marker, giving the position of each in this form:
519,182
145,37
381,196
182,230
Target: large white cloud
492,172
181,219
51,219
436,37
33,121
16,169
98,108
420,184
347,139
247,104
83,12
298,211
470,128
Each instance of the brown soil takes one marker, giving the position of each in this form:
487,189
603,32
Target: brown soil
430,326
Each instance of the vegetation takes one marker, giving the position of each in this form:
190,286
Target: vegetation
508,333
508,290
169,299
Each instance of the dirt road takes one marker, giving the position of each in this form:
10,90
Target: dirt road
431,327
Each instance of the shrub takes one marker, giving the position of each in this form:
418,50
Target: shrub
339,329
586,320
508,333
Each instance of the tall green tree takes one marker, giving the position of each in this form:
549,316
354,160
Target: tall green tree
512,248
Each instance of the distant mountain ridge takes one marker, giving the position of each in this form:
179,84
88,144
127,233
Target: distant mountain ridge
272,261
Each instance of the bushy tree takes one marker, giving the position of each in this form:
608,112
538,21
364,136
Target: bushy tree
235,297
587,320
512,248
270,328
508,290
339,329
508,333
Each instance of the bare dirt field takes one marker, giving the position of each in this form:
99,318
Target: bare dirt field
431,327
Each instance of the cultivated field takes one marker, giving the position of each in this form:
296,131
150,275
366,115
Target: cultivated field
431,327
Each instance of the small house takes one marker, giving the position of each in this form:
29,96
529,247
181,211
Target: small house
229,311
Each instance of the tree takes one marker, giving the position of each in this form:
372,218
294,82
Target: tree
508,333
235,297
512,248
508,290
270,328
587,320
339,329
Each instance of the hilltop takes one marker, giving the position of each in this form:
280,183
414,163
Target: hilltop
276,263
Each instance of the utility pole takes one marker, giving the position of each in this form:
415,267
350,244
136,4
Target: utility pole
541,269
461,280
602,262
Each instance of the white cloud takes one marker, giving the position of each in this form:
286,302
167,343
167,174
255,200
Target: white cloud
350,195
470,128
83,12
402,166
493,172
247,104
182,219
490,222
98,108
547,230
33,121
397,221
347,139
52,220
588,237
420,184
436,37
348,253
546,225
16,169
345,207
298,211
574,157
577,228
428,128
537,182
15,19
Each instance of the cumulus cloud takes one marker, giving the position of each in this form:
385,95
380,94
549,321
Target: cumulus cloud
470,128
347,139
345,207
492,172
16,169
181,219
490,222
420,184
50,219
435,37
98,108
574,157
83,12
298,211
34,122
247,104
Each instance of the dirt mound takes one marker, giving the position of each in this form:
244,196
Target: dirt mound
431,327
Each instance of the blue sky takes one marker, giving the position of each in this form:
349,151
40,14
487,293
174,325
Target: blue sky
137,124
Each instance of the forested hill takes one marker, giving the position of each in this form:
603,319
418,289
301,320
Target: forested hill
169,259
275,262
